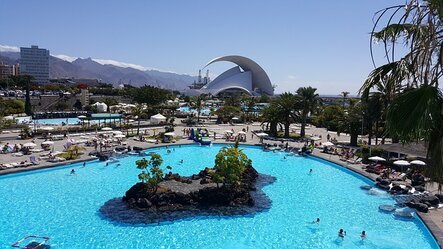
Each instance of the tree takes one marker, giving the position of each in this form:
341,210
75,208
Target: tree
78,105
287,105
271,115
417,112
138,111
230,163
109,102
344,95
24,81
74,151
248,103
353,120
227,112
197,104
309,102
151,173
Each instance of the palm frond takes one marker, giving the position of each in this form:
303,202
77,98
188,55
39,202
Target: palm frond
415,114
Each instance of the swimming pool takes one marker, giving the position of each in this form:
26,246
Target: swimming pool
53,203
204,111
57,121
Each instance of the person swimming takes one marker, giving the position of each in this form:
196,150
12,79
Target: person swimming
284,157
363,235
317,221
72,172
107,164
181,161
84,164
341,233
168,151
117,165
310,171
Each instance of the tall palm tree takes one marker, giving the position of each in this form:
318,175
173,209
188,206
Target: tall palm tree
197,104
345,96
417,112
138,110
309,100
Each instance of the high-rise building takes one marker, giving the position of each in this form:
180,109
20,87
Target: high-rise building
34,61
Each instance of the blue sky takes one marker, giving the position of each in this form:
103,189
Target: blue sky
324,44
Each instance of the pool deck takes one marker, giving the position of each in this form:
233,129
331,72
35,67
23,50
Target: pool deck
433,219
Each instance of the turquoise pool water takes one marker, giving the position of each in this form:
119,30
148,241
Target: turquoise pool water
187,109
70,121
53,203
57,121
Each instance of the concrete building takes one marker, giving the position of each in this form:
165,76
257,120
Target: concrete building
8,70
246,77
34,61
84,97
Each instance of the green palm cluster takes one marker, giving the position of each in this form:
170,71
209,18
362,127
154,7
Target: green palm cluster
408,83
288,108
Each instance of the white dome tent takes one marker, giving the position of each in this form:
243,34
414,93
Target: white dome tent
157,119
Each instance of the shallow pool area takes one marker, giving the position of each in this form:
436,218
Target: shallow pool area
204,111
54,203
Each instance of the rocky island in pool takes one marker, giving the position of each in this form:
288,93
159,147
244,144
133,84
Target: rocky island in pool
232,187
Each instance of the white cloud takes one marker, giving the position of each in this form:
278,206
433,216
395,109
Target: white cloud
5,48
119,64
65,57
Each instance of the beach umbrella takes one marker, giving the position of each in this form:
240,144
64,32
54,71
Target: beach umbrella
377,159
235,118
117,132
169,134
242,132
327,144
402,163
315,138
418,162
261,134
81,116
229,131
48,143
119,136
106,129
47,128
29,145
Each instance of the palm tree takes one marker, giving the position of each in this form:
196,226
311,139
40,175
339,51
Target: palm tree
287,106
417,112
271,115
309,102
344,95
197,104
137,111
249,104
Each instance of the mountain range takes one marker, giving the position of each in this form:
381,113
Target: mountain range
90,69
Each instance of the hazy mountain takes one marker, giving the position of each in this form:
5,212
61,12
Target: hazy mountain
90,69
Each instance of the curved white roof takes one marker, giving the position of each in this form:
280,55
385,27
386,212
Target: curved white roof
258,77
